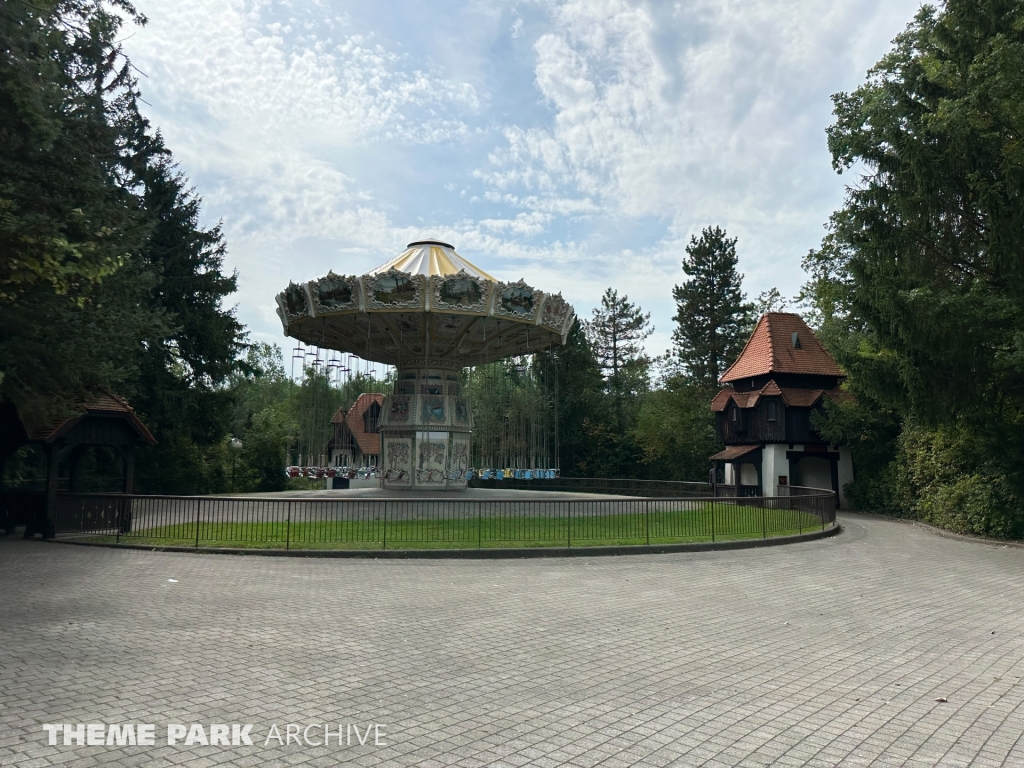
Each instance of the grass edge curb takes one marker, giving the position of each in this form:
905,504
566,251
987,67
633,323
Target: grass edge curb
482,554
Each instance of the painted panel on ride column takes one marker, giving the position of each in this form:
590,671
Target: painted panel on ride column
399,410
461,293
292,303
433,411
398,461
555,312
517,301
460,459
461,413
393,290
430,461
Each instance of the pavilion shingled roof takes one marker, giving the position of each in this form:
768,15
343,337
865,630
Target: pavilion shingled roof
770,350
101,402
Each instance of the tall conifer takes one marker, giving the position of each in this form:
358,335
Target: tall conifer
712,315
617,331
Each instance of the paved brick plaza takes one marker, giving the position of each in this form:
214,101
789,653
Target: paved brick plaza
827,653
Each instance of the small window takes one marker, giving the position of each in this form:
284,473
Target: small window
773,410
796,340
734,414
371,419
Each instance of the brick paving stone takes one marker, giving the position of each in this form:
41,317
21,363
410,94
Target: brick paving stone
820,654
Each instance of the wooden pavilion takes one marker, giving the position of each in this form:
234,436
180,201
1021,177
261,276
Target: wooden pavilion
102,419
763,414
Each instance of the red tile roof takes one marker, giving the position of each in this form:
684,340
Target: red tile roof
770,350
368,442
100,403
791,396
742,399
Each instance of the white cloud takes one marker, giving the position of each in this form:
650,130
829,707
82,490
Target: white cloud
228,61
656,120
577,144
692,114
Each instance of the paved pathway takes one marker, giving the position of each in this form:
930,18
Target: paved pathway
828,653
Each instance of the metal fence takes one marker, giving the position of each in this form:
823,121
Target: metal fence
603,485
435,523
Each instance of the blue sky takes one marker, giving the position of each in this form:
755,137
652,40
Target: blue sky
577,145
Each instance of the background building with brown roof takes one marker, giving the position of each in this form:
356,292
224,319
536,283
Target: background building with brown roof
763,413
356,439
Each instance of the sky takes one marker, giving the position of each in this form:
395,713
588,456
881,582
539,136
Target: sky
578,145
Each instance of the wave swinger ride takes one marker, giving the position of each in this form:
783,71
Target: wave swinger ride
429,313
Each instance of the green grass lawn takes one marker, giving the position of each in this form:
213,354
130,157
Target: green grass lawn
727,521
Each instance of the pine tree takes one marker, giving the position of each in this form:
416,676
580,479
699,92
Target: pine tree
68,101
616,333
106,278
182,372
769,301
935,228
179,387
712,316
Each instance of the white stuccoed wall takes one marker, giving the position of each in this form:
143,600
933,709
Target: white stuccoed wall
773,464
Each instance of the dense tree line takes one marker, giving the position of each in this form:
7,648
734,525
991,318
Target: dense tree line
917,287
107,278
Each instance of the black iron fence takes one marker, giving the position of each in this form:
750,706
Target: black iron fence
603,485
434,523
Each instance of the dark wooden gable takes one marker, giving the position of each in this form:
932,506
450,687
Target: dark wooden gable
784,416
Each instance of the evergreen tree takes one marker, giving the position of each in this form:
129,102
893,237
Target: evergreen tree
616,334
919,285
106,278
936,226
179,386
769,301
68,104
580,394
71,314
712,317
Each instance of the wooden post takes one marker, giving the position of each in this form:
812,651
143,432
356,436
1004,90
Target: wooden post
47,524
129,469
124,523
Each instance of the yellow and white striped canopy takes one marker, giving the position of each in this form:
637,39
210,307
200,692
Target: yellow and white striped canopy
430,257
427,305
